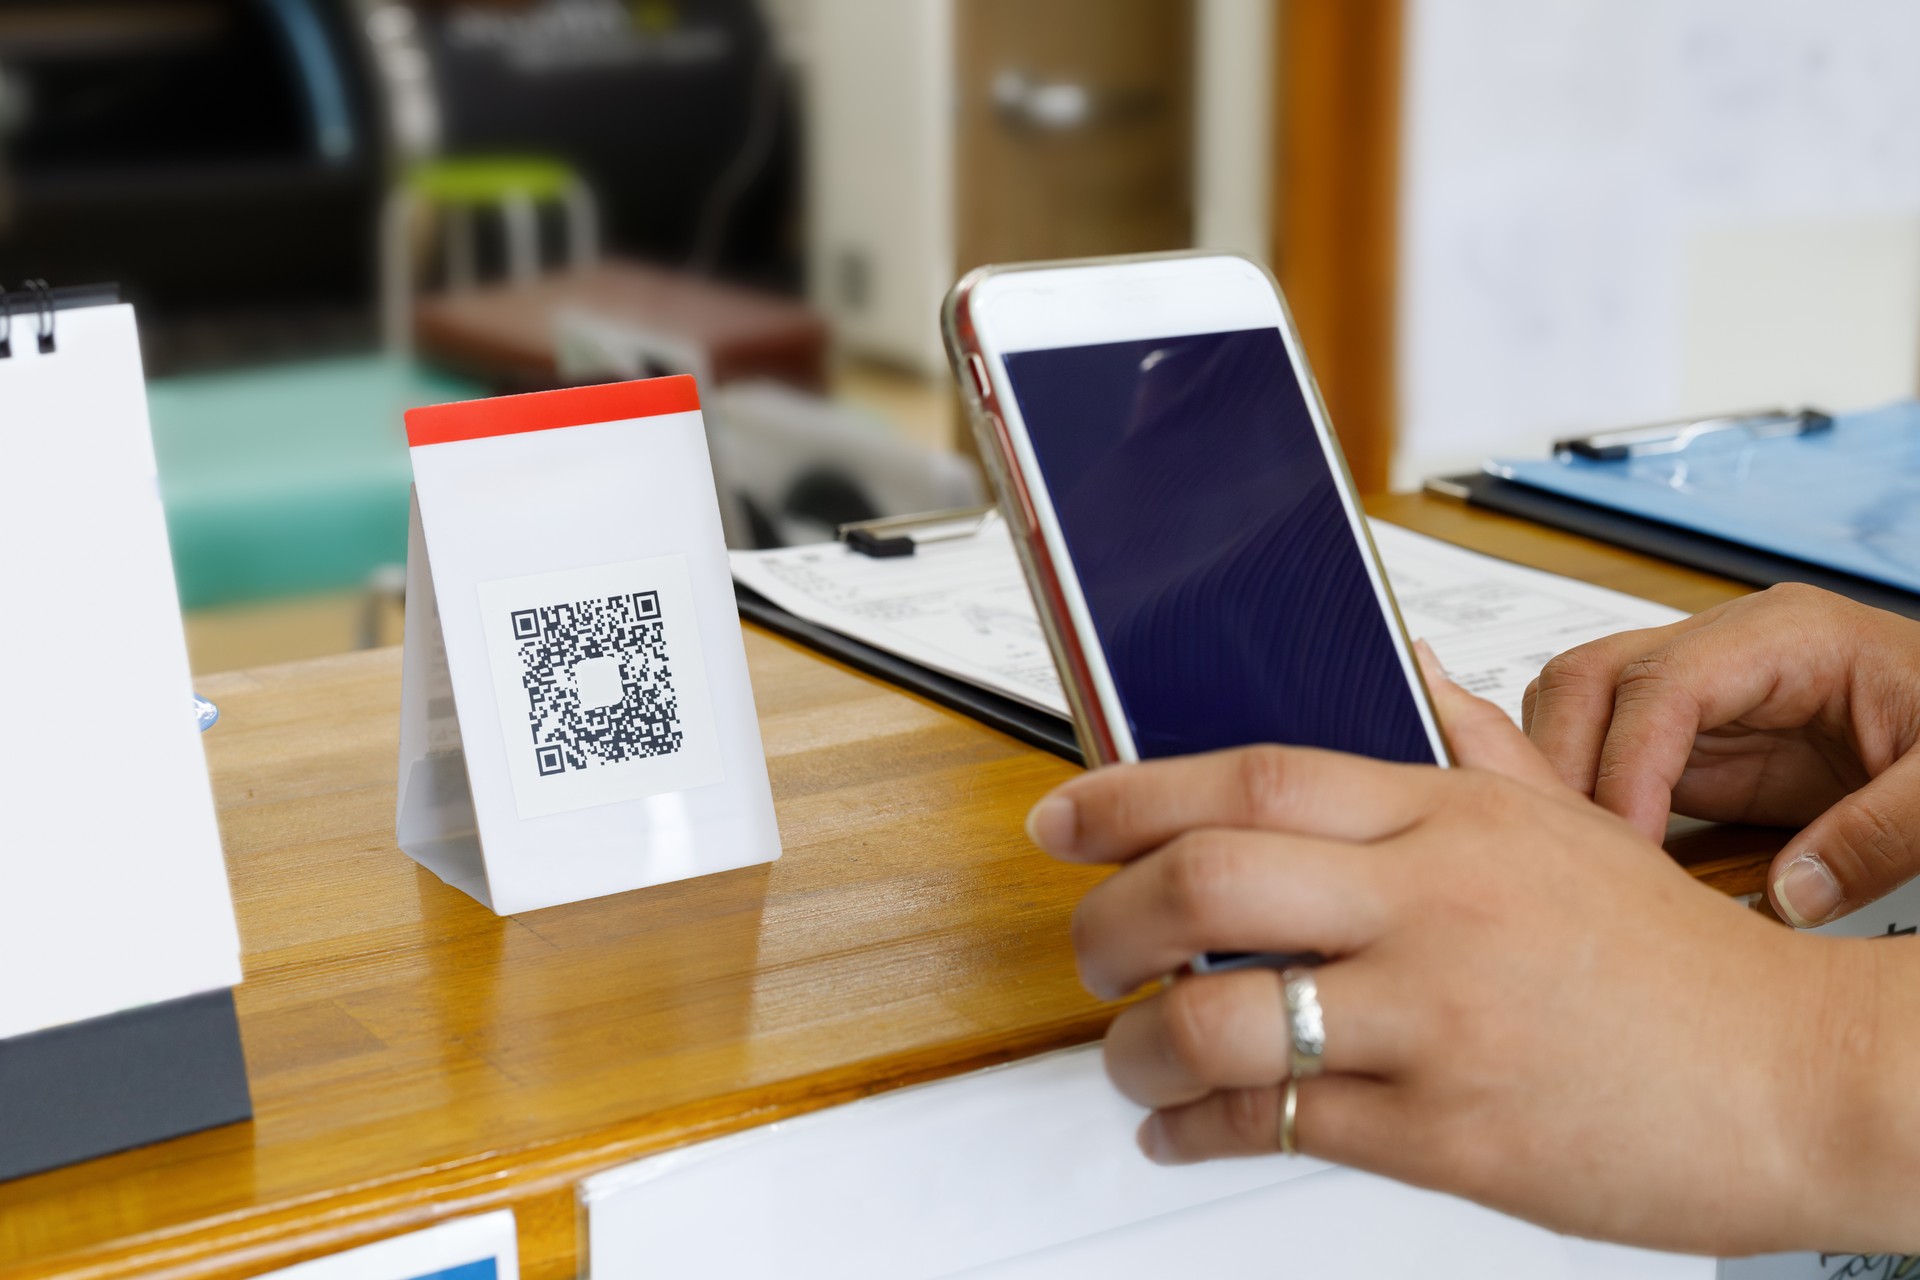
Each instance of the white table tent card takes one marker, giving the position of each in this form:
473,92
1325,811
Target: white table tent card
576,717
118,946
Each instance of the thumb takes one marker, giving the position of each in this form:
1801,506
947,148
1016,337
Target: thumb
1479,733
1863,847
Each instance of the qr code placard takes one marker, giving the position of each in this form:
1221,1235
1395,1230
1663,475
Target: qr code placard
601,684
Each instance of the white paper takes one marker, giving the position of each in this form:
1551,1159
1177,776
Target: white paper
113,890
1493,624
1031,1170
958,607
962,608
480,1248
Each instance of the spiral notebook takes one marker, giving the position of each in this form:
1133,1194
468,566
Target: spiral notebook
113,890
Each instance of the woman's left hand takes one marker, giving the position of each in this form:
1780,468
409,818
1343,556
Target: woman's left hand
1526,1002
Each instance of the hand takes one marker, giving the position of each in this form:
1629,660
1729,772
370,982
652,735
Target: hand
1527,1003
1793,707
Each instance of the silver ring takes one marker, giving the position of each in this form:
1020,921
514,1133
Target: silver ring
1289,1108
1306,1025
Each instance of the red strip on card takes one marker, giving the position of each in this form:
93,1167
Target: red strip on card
546,410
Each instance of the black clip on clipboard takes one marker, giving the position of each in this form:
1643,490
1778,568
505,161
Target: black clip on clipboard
892,536
898,536
1695,550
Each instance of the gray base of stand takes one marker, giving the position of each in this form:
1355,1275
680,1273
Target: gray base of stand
75,1092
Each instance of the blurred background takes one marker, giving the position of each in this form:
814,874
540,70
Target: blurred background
1496,221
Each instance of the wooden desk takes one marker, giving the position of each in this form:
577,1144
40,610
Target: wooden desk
414,1057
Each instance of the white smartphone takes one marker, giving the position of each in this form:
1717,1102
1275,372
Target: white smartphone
1187,525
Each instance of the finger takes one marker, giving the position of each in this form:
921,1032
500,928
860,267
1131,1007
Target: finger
1122,811
1479,733
1354,1120
1229,1031
1665,699
1227,890
1569,705
1862,848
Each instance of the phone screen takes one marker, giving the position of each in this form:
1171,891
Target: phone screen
1210,542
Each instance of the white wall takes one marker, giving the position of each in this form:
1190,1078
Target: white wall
1233,125
879,80
879,102
1623,210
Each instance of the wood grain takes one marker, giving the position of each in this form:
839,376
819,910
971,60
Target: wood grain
1120,181
1336,210
414,1057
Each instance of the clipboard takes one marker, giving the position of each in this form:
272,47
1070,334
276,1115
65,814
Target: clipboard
941,630
1762,497
1695,550
1016,719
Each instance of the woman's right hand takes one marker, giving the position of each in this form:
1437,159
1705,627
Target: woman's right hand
1792,707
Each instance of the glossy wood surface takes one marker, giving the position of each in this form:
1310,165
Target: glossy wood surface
414,1057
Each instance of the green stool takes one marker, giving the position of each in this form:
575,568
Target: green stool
288,479
459,191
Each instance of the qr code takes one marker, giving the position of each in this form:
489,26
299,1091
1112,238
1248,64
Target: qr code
598,685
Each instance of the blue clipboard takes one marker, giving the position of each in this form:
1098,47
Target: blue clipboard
1845,499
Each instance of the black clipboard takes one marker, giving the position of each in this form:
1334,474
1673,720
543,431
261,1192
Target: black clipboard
1037,728
1667,542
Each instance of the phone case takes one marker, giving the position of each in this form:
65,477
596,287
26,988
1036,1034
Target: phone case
1090,727
1097,741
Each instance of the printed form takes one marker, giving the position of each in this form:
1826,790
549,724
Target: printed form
962,608
1494,624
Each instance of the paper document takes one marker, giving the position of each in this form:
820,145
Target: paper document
1495,624
962,608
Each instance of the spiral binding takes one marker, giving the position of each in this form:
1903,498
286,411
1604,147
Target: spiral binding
43,300
43,297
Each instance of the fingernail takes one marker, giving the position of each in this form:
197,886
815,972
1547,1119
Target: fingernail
1806,892
1053,824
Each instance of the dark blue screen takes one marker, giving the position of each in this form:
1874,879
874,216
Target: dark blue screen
1212,547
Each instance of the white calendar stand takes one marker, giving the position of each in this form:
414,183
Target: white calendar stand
117,934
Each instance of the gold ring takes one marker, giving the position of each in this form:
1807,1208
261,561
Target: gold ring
1289,1108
